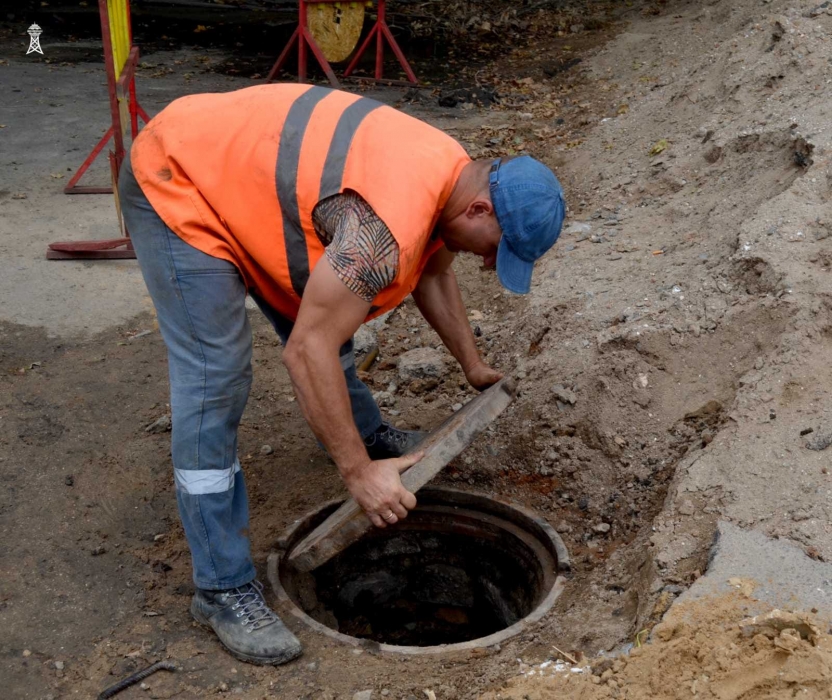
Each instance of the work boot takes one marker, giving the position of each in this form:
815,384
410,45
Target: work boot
245,625
388,442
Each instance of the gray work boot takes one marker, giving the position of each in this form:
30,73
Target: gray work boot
388,442
245,624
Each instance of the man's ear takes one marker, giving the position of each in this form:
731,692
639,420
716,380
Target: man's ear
479,207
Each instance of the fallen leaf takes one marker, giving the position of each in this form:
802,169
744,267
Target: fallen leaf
659,147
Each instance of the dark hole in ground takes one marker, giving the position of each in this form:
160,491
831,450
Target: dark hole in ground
445,575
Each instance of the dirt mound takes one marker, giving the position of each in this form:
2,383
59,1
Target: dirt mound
708,649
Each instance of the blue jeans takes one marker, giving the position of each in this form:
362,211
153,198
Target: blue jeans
200,304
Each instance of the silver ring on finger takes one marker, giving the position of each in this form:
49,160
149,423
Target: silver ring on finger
389,516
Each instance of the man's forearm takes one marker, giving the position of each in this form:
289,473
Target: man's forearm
319,384
440,302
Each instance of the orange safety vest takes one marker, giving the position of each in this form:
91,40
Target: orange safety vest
237,175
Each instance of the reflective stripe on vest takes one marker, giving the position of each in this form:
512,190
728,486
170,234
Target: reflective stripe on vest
286,172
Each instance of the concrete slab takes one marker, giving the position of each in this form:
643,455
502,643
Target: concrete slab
779,573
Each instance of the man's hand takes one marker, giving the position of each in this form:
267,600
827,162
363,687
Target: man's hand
378,489
481,376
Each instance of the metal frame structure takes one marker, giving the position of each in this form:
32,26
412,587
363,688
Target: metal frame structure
381,31
124,113
114,84
303,37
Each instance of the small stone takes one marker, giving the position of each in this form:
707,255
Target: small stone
144,686
603,528
578,228
384,399
363,695
421,363
565,395
266,450
420,386
456,407
364,340
378,323
98,551
26,653
312,666
686,507
69,480
162,424
59,665
385,692
820,442
601,665
788,641
223,687
642,398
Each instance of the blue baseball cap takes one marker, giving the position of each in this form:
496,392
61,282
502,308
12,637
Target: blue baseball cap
528,202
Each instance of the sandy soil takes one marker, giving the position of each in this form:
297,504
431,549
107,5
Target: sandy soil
719,648
672,351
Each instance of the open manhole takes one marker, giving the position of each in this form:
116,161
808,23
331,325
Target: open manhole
462,571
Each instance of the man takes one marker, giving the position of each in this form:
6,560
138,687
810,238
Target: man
328,209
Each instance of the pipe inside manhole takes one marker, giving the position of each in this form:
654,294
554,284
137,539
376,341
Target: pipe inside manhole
462,571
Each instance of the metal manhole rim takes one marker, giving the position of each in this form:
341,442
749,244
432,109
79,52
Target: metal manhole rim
541,609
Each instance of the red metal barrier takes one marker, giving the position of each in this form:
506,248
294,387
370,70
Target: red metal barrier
380,32
122,90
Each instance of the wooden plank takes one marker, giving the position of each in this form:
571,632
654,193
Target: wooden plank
347,524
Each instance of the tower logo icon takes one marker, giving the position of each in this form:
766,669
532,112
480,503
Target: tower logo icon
34,45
